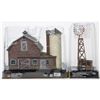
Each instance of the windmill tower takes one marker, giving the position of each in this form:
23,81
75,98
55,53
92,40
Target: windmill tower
81,54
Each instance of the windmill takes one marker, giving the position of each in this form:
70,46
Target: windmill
82,62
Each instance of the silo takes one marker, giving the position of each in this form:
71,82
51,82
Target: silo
55,46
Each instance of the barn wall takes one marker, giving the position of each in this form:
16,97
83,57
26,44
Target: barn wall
33,53
15,52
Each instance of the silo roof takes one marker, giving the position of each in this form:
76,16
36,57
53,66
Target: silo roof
54,31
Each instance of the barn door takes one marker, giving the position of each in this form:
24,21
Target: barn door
24,63
42,64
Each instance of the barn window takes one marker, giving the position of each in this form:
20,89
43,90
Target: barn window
34,61
24,45
47,62
13,61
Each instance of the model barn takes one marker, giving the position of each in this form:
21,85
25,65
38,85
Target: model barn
26,53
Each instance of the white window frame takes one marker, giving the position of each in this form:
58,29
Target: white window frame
23,41
11,61
36,62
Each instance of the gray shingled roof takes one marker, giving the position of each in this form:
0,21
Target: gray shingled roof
39,45
25,34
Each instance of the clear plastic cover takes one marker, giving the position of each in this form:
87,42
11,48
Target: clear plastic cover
84,45
51,49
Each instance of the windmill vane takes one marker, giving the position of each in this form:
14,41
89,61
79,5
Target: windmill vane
78,29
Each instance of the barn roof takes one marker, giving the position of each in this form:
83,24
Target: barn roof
25,34
44,54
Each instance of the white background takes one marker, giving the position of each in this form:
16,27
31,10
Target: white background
48,10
